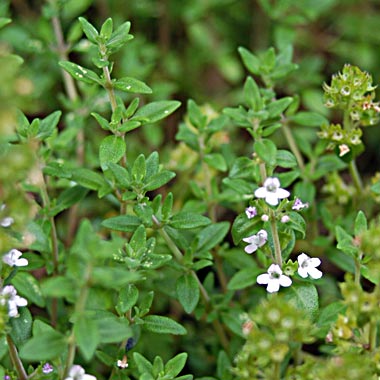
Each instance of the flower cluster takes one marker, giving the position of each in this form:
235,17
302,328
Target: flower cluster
272,193
337,137
352,91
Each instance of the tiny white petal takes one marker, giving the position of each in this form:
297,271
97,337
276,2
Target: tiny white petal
273,286
272,199
262,279
302,272
282,193
261,192
315,273
250,248
315,261
285,281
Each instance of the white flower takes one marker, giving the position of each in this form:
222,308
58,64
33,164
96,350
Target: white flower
12,258
299,205
7,221
250,212
274,279
9,295
343,149
122,363
271,191
285,219
77,373
308,266
255,241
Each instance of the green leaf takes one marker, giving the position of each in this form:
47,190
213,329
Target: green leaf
197,118
87,336
124,223
48,125
243,279
67,198
119,37
187,292
81,73
28,286
266,150
106,29
111,149
167,207
309,119
4,21
158,180
128,297
132,85
47,346
143,365
360,223
211,236
186,220
305,297
112,329
59,287
297,223
251,62
175,365
252,95
121,175
113,278
163,325
139,169
104,124
216,161
88,178
89,30
376,188
345,242
328,315
21,327
277,107
285,159
155,111
57,169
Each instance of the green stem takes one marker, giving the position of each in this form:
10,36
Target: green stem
16,359
355,175
292,144
357,271
276,371
372,334
80,307
276,240
109,88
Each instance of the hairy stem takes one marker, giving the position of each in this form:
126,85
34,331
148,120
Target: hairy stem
13,353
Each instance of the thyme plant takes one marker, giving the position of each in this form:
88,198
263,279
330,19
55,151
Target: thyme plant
249,250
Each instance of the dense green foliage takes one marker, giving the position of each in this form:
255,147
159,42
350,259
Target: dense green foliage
188,189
